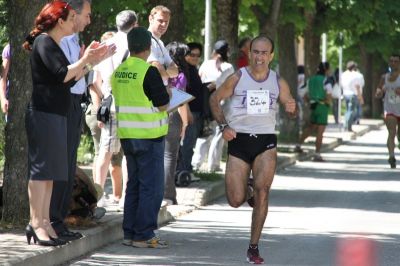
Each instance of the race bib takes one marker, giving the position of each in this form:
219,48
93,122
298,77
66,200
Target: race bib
257,102
393,97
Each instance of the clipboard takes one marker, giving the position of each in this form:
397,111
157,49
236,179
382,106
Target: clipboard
178,98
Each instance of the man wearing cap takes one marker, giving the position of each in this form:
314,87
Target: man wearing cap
352,84
141,101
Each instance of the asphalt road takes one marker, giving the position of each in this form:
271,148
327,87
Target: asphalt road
316,210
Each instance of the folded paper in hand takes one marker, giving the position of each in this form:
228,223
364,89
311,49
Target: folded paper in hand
178,98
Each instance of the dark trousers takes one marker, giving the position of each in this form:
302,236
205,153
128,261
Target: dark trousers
145,187
62,191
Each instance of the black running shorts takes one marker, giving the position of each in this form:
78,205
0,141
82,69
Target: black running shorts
247,146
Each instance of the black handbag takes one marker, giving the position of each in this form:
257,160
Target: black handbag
103,113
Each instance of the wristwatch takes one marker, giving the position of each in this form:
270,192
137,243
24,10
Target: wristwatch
222,127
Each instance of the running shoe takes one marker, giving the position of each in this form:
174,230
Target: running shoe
154,242
127,242
318,158
298,149
392,162
253,256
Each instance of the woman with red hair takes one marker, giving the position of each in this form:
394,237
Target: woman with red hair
45,120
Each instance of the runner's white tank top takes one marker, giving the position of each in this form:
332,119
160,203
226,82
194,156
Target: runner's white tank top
240,113
391,101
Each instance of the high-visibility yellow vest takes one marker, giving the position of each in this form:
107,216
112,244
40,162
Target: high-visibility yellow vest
137,118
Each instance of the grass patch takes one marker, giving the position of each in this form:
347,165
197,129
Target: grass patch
212,177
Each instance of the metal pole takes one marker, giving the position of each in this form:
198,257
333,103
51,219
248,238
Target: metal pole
207,30
323,47
340,78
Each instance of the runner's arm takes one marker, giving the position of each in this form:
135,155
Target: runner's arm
286,98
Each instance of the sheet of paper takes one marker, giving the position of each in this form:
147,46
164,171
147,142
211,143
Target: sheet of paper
178,98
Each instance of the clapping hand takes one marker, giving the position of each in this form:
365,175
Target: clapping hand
97,52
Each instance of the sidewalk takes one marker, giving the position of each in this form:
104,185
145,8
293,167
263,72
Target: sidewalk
15,251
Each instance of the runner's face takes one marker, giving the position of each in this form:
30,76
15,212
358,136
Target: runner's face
159,23
260,54
394,62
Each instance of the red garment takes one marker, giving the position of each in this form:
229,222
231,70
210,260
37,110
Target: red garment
242,61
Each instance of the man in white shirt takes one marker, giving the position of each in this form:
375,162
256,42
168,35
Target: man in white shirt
159,57
352,92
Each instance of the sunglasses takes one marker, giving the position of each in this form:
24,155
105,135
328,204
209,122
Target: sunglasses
194,55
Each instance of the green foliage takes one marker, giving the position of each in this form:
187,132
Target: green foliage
85,149
248,24
3,23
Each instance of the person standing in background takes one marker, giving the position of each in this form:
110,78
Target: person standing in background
47,112
141,105
319,95
213,73
352,92
360,82
158,25
91,112
62,194
4,82
336,94
178,121
110,147
244,48
195,87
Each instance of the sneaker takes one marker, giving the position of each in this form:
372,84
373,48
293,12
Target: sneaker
127,242
121,206
253,256
392,162
250,191
154,242
318,158
298,149
102,202
98,213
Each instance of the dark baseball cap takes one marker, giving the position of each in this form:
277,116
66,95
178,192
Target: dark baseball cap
139,39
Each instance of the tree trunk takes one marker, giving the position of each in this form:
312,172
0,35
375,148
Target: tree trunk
289,128
312,44
176,28
377,67
271,25
368,92
268,21
15,198
227,24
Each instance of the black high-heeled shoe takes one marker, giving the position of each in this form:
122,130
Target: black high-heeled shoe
30,232
59,241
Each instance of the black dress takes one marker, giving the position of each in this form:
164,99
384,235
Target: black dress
45,120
